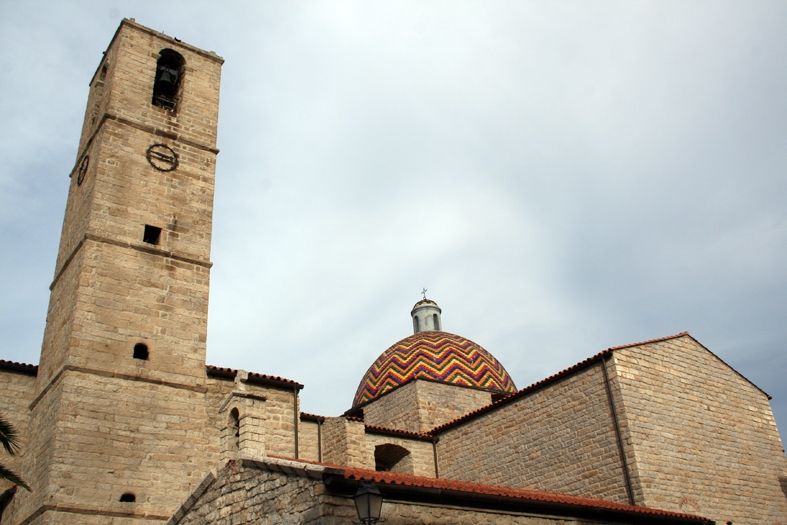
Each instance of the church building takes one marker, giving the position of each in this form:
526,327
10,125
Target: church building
123,422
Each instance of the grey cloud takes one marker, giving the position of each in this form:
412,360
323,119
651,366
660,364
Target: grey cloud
563,176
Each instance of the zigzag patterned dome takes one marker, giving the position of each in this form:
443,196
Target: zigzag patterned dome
435,356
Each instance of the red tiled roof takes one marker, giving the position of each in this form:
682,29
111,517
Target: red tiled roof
305,416
376,429
21,368
391,478
254,378
527,495
465,487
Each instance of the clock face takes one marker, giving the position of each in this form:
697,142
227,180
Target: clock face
162,157
83,169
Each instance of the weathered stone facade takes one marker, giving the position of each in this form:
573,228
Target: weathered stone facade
703,436
419,406
16,391
560,438
122,419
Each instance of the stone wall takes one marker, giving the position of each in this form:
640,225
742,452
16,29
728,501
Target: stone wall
114,437
420,460
273,408
16,391
241,495
704,437
419,406
558,438
152,435
309,440
396,409
290,493
440,403
344,443
405,513
38,454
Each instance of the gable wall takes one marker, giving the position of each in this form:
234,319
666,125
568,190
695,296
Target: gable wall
704,438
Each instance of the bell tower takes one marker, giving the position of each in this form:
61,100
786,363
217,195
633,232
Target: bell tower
122,365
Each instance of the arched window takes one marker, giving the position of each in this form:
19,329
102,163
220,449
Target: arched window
416,324
128,497
141,351
169,72
390,457
436,321
234,429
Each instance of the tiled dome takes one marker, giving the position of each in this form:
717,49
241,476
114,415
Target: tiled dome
435,356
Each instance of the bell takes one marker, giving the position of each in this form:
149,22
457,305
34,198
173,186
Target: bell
167,81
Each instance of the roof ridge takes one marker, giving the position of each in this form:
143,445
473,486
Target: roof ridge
397,432
560,374
229,373
22,368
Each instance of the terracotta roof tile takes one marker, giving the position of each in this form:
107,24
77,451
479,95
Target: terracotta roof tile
21,368
517,494
386,431
305,416
525,495
391,478
253,378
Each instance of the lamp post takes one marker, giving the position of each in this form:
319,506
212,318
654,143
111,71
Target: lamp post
368,503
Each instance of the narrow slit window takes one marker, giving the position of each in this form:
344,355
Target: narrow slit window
152,234
141,351
234,427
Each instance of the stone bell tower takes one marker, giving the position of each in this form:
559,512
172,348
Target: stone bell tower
121,381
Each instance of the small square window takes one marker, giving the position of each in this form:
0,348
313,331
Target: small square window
152,234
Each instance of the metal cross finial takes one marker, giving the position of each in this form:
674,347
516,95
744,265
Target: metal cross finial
423,292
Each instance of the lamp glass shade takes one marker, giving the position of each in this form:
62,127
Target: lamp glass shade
368,503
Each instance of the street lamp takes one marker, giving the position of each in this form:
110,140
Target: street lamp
368,503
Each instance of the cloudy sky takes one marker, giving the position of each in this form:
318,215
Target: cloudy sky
562,176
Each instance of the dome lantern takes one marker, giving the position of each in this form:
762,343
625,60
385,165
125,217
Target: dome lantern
426,316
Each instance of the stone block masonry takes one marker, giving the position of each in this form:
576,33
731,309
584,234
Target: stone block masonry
108,423
704,437
16,390
560,438
422,405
